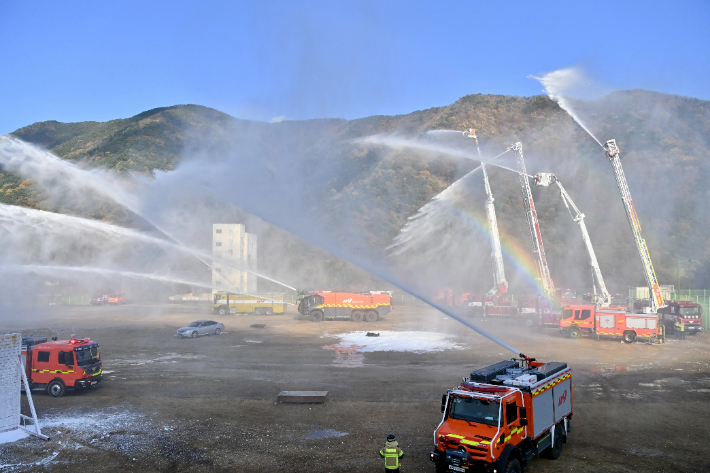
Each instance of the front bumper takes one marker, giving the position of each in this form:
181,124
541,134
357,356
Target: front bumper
87,382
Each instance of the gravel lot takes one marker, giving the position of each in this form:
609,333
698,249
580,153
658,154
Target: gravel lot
209,404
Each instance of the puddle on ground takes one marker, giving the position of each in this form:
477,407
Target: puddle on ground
346,356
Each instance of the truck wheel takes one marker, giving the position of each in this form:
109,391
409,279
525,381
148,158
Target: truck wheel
554,451
513,466
317,316
356,316
575,332
370,316
222,311
629,336
529,322
269,311
193,335
56,388
217,331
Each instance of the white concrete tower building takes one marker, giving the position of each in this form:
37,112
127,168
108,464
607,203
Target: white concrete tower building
230,241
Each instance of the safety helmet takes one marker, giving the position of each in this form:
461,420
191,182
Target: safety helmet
390,437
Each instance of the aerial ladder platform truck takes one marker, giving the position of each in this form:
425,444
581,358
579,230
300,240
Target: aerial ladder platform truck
584,318
504,415
495,302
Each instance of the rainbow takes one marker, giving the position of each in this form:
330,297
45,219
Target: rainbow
513,252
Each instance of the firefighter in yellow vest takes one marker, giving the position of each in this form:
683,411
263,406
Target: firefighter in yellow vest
680,329
392,454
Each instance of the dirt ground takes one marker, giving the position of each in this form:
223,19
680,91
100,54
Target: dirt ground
209,404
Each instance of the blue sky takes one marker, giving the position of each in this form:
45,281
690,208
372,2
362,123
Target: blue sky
76,61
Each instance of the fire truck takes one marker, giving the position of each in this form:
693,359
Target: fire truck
688,312
564,297
588,319
58,365
504,415
536,310
367,306
260,304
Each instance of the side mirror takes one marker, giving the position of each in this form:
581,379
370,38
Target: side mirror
523,422
523,412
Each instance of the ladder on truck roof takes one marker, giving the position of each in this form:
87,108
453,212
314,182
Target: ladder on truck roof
612,152
544,179
533,223
501,284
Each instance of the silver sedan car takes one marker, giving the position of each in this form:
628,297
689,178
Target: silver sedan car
201,327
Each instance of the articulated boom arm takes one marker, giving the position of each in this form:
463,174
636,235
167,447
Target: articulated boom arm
612,152
533,224
501,284
545,179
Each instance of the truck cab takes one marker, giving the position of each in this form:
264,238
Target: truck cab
59,365
688,312
504,415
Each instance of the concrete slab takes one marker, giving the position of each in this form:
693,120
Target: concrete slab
303,396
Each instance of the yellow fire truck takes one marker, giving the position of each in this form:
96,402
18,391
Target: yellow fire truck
260,304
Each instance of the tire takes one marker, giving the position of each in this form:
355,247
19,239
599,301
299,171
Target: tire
217,331
317,316
269,311
554,451
629,336
222,311
529,322
371,316
513,466
56,388
193,334
575,332
357,316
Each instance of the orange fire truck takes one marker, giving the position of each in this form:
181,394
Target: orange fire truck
367,306
588,319
504,415
59,365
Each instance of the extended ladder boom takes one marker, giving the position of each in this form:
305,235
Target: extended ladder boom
533,224
545,179
501,284
612,152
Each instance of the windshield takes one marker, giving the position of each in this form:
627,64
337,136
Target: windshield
620,300
569,294
475,410
195,324
87,356
690,310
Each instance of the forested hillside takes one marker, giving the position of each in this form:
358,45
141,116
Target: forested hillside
664,142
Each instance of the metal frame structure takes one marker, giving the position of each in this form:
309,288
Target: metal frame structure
533,223
612,152
544,179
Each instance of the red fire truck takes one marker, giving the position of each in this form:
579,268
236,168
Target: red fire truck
503,416
58,365
688,312
490,305
367,306
578,320
565,297
536,310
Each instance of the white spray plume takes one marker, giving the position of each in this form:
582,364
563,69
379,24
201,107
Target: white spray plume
54,173
559,85
14,218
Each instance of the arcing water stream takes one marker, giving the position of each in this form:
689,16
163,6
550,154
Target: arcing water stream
52,270
15,217
556,83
